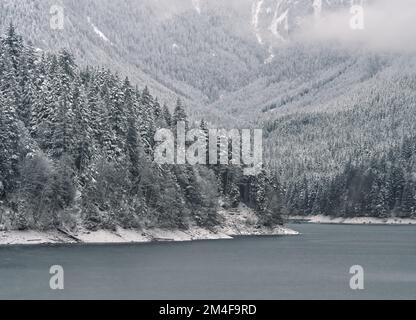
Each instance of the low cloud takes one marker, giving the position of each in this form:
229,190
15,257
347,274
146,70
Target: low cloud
389,25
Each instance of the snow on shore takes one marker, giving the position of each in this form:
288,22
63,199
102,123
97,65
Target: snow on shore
31,237
243,221
356,220
236,222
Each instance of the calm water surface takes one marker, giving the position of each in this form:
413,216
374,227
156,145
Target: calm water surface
314,265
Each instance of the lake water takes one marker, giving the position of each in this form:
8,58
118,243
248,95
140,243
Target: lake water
314,265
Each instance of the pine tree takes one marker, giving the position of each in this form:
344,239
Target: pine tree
408,201
13,44
135,148
83,142
9,141
27,84
166,115
9,80
63,128
146,120
43,113
157,110
179,114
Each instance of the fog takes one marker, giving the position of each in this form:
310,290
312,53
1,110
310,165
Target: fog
388,25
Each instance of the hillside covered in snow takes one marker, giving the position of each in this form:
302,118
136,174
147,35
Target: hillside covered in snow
337,105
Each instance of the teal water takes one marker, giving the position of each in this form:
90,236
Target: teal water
314,265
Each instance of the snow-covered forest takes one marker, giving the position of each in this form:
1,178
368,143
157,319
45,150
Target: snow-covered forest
77,148
356,160
338,114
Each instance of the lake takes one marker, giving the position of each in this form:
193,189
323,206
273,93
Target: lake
314,265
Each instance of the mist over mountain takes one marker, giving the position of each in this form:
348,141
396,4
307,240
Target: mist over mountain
200,50
172,47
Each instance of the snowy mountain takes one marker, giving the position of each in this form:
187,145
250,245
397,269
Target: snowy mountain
197,49
278,19
154,42
322,91
151,40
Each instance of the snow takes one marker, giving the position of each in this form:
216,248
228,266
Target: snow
244,222
271,56
175,47
317,6
97,31
235,222
31,237
255,19
278,20
356,220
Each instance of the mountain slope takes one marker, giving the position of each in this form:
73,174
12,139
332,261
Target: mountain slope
79,35
177,50
328,98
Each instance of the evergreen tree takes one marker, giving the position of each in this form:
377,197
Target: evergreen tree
166,115
9,141
179,114
13,44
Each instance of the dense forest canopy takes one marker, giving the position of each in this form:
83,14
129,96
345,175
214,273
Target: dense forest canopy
77,150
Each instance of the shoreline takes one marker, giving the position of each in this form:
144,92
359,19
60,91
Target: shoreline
125,236
241,221
321,219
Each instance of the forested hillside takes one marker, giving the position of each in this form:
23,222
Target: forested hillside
332,109
77,150
352,154
170,47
